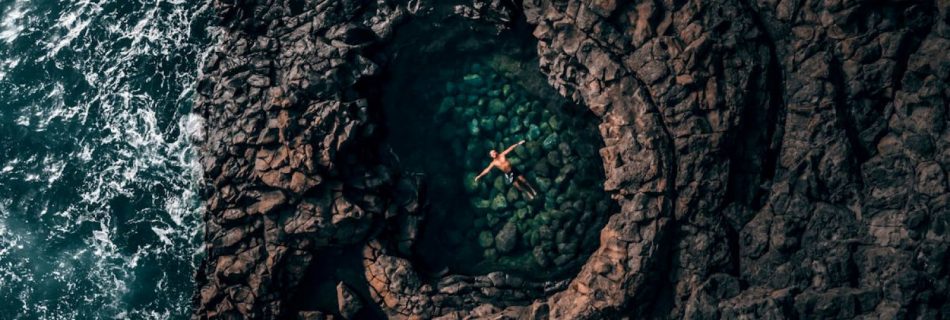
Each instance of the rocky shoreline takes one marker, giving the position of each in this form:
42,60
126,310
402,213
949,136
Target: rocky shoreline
768,159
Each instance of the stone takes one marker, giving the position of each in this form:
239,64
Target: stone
515,129
267,202
499,202
496,107
474,80
555,123
300,183
507,238
562,259
474,128
499,183
485,239
931,179
313,315
348,303
554,158
512,195
487,125
550,141
534,132
540,256
470,184
483,204
521,213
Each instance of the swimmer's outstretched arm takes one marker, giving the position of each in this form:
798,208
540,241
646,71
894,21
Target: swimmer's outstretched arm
484,172
512,147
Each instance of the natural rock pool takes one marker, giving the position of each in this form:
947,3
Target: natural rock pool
450,100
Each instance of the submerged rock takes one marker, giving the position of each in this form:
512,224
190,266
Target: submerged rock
507,238
474,80
496,107
485,239
499,202
550,141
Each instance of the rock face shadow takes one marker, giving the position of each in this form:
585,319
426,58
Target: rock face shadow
451,97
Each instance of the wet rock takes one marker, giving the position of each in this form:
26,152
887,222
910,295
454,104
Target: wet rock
507,238
313,315
499,202
474,80
496,107
348,303
485,239
550,141
541,256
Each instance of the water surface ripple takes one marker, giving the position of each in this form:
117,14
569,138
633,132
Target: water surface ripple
99,216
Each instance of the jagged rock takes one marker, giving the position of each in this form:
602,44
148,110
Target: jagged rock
267,202
313,315
349,304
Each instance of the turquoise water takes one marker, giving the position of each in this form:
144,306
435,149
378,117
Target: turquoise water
99,216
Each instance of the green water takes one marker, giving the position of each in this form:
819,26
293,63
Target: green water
446,110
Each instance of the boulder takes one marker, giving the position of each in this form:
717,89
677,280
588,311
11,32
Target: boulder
348,303
496,107
499,202
485,239
267,202
507,238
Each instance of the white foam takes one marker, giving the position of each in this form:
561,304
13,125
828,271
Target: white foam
53,169
74,22
11,24
6,65
120,150
163,234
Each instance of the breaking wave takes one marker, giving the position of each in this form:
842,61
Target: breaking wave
99,212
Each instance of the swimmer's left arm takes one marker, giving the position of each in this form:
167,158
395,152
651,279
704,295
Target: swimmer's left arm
512,147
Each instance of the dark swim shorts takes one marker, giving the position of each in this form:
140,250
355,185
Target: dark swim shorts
511,175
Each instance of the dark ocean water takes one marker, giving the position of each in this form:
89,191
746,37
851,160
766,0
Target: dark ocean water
99,216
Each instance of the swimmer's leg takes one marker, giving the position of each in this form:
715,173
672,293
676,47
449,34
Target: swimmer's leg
524,181
517,184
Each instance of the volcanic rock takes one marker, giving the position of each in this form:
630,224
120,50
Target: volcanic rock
768,159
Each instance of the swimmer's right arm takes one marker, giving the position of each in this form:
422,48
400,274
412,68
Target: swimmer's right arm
484,172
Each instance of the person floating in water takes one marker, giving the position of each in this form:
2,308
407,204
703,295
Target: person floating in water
513,176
